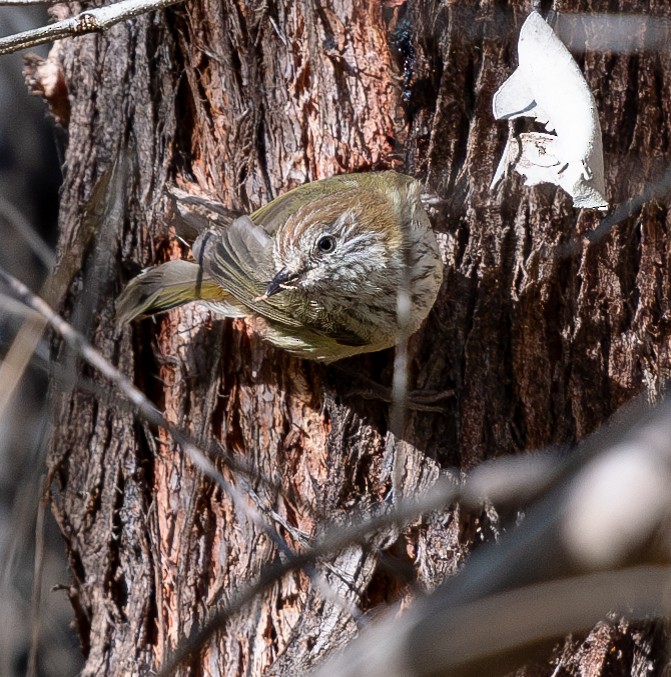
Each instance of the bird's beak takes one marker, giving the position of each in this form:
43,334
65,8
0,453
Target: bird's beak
281,281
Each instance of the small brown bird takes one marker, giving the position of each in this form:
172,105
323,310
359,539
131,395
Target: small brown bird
333,268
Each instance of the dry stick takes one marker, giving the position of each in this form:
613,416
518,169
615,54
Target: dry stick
37,581
18,357
22,3
15,218
91,388
477,636
657,188
80,345
10,304
88,21
22,348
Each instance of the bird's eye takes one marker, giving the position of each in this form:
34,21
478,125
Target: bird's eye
326,244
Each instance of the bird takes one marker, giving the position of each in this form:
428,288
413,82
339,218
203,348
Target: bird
345,265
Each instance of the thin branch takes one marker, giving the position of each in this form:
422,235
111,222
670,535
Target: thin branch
79,343
255,513
38,571
655,189
148,411
32,238
520,561
497,633
18,357
88,21
28,336
24,3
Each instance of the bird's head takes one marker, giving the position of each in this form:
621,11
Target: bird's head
343,244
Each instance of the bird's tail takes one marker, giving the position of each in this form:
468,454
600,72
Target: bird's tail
167,286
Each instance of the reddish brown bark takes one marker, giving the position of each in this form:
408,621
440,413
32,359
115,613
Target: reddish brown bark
541,342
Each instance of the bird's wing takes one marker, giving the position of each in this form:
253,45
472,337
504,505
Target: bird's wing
170,285
239,260
239,257
192,215
312,344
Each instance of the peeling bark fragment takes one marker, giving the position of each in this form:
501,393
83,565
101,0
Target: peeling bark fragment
549,87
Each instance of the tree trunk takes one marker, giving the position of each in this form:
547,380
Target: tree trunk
246,100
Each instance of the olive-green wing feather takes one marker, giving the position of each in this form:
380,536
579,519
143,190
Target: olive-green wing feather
239,259
170,285
192,215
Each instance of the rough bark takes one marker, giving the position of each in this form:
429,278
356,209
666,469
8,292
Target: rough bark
247,100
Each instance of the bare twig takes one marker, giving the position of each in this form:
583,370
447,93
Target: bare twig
255,513
18,357
28,3
88,21
37,583
32,238
81,346
657,188
435,638
79,343
550,576
27,338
